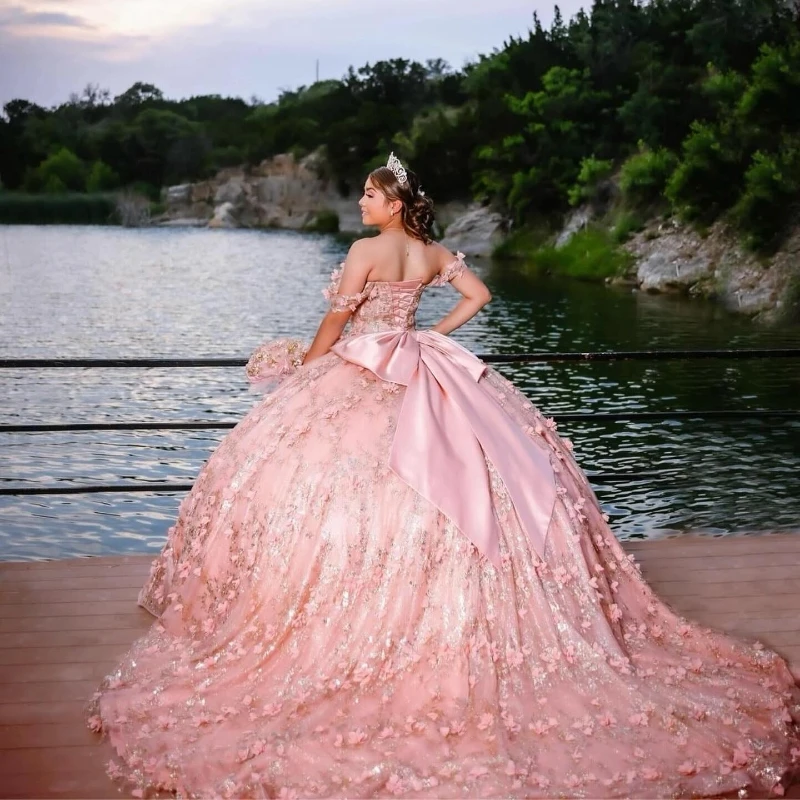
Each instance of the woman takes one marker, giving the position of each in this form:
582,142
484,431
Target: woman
392,578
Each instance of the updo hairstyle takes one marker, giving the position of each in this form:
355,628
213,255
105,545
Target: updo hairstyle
417,211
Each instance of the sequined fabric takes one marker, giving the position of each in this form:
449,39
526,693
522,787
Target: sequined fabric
325,631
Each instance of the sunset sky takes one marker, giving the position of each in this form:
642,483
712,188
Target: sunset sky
49,48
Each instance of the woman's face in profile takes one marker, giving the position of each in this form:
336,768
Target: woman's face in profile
375,208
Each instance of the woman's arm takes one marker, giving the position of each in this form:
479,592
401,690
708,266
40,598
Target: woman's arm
475,295
354,277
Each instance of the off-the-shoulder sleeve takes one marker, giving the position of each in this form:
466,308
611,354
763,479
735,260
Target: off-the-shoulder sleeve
342,302
453,270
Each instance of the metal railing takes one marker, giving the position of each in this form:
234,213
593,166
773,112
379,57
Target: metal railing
496,358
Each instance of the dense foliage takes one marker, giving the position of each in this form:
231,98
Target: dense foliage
686,103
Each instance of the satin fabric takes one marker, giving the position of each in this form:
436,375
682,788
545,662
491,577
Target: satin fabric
447,429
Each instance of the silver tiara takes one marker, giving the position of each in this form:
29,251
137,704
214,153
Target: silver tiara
397,168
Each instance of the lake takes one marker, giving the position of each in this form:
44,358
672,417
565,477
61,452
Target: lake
112,292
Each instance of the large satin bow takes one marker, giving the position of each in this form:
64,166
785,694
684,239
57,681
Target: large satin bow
447,422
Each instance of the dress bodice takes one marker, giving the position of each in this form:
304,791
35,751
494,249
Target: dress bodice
386,305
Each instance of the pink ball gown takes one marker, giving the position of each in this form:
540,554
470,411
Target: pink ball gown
392,579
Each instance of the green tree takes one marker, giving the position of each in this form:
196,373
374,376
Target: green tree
101,178
62,171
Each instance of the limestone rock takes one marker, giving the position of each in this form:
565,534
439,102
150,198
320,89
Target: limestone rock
576,221
476,232
224,217
671,256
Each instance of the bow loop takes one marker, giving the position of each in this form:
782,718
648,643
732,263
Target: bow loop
448,427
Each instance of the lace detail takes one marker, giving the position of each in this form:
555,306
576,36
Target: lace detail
451,271
343,302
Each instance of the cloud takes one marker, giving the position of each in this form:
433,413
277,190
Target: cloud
249,47
18,18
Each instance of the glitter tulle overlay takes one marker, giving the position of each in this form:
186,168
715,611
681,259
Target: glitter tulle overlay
328,626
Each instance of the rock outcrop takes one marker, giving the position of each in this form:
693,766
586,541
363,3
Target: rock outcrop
476,232
673,257
279,193
574,222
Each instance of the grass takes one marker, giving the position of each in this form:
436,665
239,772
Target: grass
591,254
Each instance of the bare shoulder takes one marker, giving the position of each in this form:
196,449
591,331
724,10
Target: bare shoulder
362,248
441,256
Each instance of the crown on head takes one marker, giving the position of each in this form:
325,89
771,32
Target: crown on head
397,168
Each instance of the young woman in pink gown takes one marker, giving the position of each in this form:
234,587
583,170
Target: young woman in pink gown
393,579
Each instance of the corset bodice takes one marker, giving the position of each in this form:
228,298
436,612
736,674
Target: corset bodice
387,306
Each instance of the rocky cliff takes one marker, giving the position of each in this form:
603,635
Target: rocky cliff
672,257
279,193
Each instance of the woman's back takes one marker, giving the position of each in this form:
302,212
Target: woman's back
396,256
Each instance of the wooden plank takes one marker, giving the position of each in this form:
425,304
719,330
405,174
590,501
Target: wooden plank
62,638
704,574
63,733
62,610
61,594
103,582
21,656
51,673
93,784
70,573
136,618
33,713
688,587
80,758
722,561
107,562
47,691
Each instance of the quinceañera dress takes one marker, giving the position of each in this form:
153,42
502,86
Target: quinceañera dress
392,579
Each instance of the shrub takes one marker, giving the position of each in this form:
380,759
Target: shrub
62,169
643,177
53,209
707,179
592,173
325,221
590,255
770,197
627,223
101,178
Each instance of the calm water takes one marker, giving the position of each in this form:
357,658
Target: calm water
103,292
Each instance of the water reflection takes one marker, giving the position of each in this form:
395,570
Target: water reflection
75,291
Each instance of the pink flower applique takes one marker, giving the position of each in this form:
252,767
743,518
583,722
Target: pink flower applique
394,785
478,772
258,747
243,755
458,727
538,780
113,770
485,722
512,726
95,723
356,737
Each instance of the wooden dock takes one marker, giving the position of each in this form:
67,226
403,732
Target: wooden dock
64,624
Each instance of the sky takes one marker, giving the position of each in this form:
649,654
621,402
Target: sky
240,48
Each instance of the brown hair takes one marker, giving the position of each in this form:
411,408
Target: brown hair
417,211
